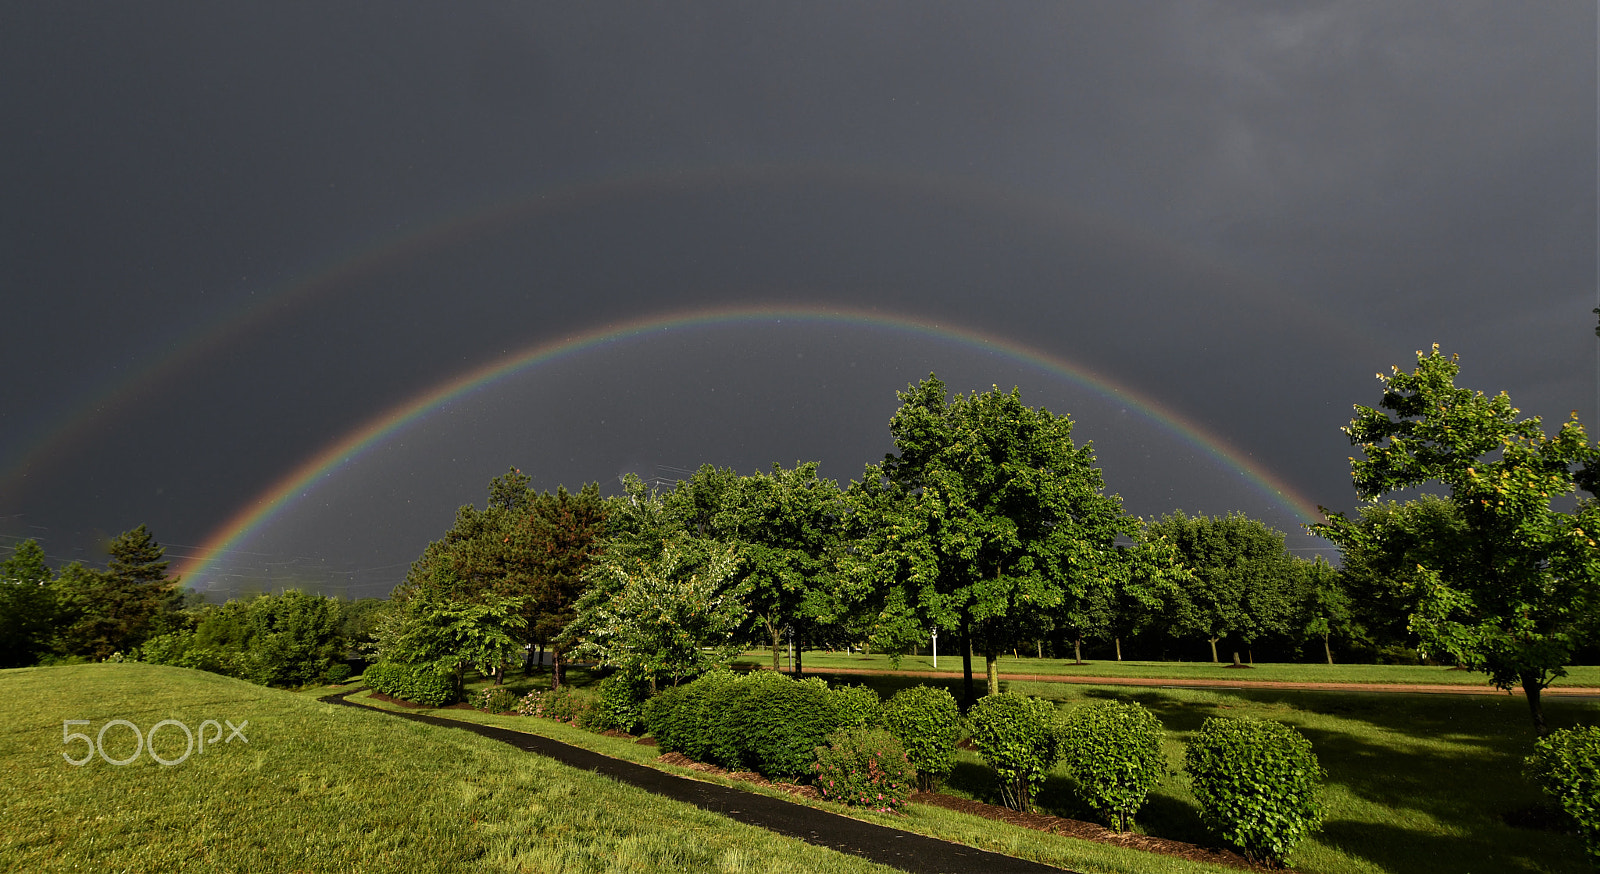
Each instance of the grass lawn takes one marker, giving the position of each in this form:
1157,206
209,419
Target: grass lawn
323,788
1416,782
950,663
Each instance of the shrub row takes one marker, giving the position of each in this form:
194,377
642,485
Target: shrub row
1256,782
761,721
864,767
419,684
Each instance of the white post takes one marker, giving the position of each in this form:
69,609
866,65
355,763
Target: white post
936,649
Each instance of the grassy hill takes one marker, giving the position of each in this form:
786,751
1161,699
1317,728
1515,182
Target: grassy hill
322,788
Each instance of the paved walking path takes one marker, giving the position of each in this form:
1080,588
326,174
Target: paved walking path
888,846
1241,683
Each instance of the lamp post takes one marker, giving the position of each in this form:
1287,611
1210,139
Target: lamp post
936,649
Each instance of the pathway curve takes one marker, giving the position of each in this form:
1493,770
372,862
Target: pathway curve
888,846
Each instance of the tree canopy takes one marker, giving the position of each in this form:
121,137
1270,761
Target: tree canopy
1507,588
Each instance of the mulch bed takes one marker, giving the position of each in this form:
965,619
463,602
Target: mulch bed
1056,825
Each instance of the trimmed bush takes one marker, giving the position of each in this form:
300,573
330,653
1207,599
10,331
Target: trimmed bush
1257,785
1019,737
864,767
495,699
621,704
1112,751
1566,766
784,723
419,684
856,707
338,673
928,724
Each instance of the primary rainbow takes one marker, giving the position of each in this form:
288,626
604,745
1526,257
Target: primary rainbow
272,502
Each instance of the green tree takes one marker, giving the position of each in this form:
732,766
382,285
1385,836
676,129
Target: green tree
789,534
1379,565
1240,580
1529,572
438,625
661,619
1324,608
995,525
1152,577
117,609
27,606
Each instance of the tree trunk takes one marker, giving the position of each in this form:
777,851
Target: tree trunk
1531,687
1041,649
527,661
555,669
541,656
1214,640
777,647
799,649
1119,649
1328,651
1077,648
991,664
966,661
500,675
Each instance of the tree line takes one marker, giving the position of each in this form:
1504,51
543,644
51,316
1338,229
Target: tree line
989,526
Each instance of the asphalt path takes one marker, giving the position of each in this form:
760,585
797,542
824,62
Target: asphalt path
903,850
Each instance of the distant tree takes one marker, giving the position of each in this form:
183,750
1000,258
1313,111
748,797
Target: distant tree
1528,574
1380,562
27,606
789,525
996,526
293,638
524,545
1241,577
1324,608
117,609
1152,577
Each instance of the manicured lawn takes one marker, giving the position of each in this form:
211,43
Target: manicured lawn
1416,782
323,788
950,663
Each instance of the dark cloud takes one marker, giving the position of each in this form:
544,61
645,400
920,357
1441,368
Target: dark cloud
1240,211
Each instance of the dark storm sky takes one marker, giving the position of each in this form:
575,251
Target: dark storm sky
233,234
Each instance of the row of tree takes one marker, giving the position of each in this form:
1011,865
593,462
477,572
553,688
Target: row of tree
988,524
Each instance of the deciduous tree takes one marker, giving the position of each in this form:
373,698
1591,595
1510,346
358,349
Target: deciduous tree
1529,572
995,525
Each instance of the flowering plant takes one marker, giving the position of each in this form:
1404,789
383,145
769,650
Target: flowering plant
865,768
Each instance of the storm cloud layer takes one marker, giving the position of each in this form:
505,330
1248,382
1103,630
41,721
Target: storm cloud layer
234,236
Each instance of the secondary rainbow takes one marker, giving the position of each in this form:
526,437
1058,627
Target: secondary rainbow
304,477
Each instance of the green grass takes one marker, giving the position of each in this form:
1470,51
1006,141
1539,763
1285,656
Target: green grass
324,788
1416,782
1582,675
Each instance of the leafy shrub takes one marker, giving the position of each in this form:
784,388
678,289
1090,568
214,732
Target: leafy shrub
864,767
566,704
763,721
1566,765
495,699
1018,736
782,722
1257,785
621,704
419,684
928,724
338,673
1112,751
857,707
